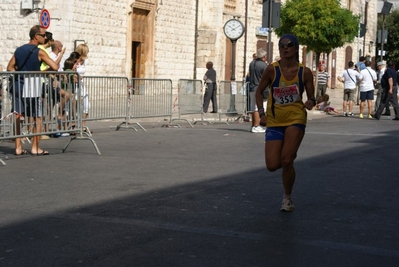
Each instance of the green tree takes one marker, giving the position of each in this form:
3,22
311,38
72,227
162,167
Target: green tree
319,25
392,45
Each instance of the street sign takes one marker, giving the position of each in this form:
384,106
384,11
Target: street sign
384,36
262,31
274,12
362,30
44,18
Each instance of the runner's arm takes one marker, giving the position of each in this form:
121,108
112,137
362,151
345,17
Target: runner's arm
309,87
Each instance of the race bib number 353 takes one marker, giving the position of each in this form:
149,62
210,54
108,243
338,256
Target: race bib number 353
285,95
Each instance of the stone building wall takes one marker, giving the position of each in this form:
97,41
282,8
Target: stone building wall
101,23
106,27
174,39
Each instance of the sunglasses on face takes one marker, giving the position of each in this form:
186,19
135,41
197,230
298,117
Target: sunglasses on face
41,34
287,44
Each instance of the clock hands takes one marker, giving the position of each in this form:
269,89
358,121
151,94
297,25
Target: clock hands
234,29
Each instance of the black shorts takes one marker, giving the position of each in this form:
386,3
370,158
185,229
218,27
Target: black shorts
27,106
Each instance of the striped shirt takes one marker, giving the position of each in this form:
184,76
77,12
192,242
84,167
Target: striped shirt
323,77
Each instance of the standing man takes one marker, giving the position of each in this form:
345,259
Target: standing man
210,91
247,81
286,117
361,65
380,73
367,78
389,83
349,78
323,81
27,90
256,69
57,52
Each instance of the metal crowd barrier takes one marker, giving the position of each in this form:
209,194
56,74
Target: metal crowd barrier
108,98
150,98
190,99
232,98
57,96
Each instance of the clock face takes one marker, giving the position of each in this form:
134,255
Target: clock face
233,29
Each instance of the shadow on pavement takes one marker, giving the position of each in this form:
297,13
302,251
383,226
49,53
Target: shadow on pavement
201,197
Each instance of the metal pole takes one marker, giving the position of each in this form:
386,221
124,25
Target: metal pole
382,38
269,37
365,26
245,40
358,39
232,108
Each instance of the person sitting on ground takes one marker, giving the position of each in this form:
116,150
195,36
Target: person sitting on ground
323,104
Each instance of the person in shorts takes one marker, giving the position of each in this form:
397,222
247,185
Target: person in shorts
349,78
256,69
286,116
28,88
367,79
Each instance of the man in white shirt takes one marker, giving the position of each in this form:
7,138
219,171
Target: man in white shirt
367,79
57,51
349,77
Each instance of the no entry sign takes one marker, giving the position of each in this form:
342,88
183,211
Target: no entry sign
45,18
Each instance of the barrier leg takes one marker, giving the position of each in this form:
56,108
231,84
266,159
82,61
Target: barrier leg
81,137
125,125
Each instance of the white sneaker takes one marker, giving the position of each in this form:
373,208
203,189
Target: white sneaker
287,205
258,129
64,134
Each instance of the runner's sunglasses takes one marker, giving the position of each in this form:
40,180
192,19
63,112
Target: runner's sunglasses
287,44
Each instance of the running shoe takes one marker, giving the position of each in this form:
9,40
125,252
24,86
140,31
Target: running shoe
361,116
287,205
351,114
345,114
369,116
257,129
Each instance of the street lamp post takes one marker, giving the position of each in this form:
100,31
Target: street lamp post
386,9
364,29
365,24
382,38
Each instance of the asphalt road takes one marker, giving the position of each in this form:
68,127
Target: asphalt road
202,197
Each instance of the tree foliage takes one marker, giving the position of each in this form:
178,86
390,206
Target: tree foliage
392,45
320,25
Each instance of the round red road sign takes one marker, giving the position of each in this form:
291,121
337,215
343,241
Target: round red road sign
44,18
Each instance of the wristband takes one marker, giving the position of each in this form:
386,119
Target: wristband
261,112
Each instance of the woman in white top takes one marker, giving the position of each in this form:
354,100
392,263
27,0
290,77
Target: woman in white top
83,50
